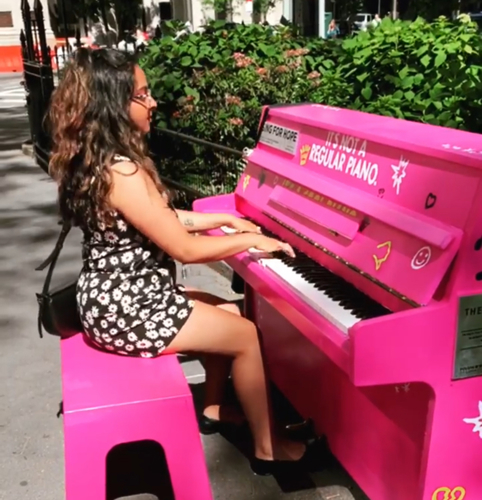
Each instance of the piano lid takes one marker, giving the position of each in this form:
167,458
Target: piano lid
387,197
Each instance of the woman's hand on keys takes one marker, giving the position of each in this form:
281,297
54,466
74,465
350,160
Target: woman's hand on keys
270,245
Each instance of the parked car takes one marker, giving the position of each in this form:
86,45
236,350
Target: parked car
476,17
361,21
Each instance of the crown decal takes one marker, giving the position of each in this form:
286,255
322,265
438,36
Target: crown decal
304,152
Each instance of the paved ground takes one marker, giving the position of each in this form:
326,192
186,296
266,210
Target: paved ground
12,93
31,457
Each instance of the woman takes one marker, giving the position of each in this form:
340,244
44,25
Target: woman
333,30
128,300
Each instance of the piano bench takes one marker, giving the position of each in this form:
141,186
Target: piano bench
115,407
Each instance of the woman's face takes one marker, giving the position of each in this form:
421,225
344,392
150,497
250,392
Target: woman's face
142,104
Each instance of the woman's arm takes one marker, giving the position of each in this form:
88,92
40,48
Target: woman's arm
197,222
135,195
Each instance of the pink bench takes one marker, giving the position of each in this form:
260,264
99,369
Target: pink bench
112,402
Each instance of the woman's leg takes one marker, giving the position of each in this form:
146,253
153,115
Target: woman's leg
211,330
217,367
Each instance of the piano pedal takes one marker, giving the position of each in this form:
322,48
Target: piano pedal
301,431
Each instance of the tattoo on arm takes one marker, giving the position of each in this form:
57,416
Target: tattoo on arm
188,222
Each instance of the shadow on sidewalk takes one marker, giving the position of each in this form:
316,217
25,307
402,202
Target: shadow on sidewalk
326,480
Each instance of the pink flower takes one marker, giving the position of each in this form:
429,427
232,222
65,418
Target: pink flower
261,71
244,62
296,52
295,63
313,75
235,121
231,99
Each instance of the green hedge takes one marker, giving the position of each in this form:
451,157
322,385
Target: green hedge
213,84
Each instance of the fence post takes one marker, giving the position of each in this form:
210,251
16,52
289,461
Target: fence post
38,77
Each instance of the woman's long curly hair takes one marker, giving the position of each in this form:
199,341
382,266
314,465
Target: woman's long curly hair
90,124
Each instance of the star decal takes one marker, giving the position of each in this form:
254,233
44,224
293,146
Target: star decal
476,421
399,172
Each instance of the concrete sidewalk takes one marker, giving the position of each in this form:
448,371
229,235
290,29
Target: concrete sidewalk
31,458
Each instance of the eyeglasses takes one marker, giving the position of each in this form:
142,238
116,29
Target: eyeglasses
142,97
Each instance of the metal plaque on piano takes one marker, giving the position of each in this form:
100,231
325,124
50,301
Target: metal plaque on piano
278,137
468,353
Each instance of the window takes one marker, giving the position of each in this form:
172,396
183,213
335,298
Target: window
165,11
6,20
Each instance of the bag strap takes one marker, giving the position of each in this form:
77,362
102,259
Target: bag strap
50,261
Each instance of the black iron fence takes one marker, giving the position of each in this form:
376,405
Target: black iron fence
191,167
194,168
38,77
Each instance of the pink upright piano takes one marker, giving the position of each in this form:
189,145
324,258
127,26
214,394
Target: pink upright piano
374,330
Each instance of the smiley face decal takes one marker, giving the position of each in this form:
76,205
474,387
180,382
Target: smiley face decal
421,258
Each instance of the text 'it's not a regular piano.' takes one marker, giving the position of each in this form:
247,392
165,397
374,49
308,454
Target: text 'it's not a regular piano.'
374,330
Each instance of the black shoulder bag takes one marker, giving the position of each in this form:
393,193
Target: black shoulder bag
58,313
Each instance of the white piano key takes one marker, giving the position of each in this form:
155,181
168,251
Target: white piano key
317,299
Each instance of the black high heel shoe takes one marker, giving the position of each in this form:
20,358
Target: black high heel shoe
302,431
209,426
262,467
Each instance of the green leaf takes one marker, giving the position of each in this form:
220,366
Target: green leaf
186,61
418,78
425,60
403,73
363,77
440,58
407,82
421,51
363,53
367,93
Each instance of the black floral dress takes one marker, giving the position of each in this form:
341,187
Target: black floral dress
127,295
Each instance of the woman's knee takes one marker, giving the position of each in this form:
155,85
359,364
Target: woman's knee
250,336
231,307
209,329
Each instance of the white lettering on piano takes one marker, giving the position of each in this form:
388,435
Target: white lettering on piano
337,150
471,151
327,157
362,169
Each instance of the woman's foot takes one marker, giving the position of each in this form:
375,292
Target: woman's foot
215,417
287,457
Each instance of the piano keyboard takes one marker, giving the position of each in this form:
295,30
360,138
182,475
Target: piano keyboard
330,295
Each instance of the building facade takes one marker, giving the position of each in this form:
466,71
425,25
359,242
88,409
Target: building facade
306,13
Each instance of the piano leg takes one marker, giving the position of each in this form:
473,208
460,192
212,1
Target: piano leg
453,446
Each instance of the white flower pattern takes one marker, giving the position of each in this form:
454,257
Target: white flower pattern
128,300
